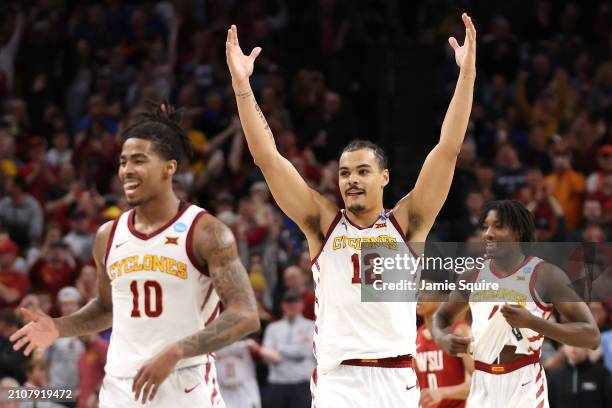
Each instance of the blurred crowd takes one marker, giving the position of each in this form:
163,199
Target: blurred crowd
74,74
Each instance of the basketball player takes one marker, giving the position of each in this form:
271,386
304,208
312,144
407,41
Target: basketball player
237,376
364,350
164,269
444,379
509,324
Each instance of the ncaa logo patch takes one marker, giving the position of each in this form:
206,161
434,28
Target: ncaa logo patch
180,227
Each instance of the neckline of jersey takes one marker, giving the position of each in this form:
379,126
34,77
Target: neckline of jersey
494,272
143,236
385,212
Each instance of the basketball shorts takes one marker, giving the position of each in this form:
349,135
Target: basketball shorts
194,386
524,387
365,387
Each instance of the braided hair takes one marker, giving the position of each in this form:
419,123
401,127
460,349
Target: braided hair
161,127
514,215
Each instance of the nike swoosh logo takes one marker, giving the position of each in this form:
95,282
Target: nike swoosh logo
188,390
118,245
409,388
522,385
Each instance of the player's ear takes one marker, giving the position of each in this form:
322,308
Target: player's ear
385,178
170,168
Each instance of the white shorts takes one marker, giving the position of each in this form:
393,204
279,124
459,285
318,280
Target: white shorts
194,386
522,388
367,387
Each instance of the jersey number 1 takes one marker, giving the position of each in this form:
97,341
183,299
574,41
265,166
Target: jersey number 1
370,276
150,309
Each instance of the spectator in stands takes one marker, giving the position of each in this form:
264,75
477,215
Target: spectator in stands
580,383
20,213
86,283
53,270
7,383
91,364
291,338
60,153
12,260
63,354
462,228
13,284
566,185
509,174
81,237
294,281
11,362
594,182
37,376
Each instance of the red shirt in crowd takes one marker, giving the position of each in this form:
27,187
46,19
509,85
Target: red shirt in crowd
14,280
50,278
91,369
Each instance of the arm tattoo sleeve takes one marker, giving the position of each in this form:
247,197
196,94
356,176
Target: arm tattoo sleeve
92,318
231,282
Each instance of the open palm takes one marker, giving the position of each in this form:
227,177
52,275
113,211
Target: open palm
240,65
465,55
39,334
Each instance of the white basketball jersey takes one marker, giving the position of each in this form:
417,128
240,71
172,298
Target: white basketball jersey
236,374
159,294
345,327
490,329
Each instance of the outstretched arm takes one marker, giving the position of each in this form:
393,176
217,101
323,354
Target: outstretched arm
94,317
580,330
214,244
417,211
305,206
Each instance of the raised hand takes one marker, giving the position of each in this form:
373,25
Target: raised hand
465,55
39,334
240,65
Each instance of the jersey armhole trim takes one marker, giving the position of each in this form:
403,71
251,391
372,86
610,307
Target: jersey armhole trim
111,236
326,237
547,307
189,244
404,236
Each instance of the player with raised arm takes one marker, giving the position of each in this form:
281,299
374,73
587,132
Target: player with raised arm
164,269
364,350
509,324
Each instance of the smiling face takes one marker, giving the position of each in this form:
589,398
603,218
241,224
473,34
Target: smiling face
500,239
143,173
361,180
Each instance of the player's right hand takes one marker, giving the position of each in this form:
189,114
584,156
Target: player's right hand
240,65
455,344
39,333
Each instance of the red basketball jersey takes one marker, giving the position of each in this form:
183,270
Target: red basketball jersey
437,369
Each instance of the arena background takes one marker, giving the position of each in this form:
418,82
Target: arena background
74,73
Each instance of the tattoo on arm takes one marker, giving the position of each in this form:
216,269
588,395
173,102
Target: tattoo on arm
244,95
92,318
263,119
231,282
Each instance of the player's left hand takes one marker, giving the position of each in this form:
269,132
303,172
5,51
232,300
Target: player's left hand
465,55
517,316
429,397
154,372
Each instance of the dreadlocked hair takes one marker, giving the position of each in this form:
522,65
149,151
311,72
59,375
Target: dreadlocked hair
161,127
514,215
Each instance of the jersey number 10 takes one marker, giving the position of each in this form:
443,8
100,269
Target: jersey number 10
151,309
